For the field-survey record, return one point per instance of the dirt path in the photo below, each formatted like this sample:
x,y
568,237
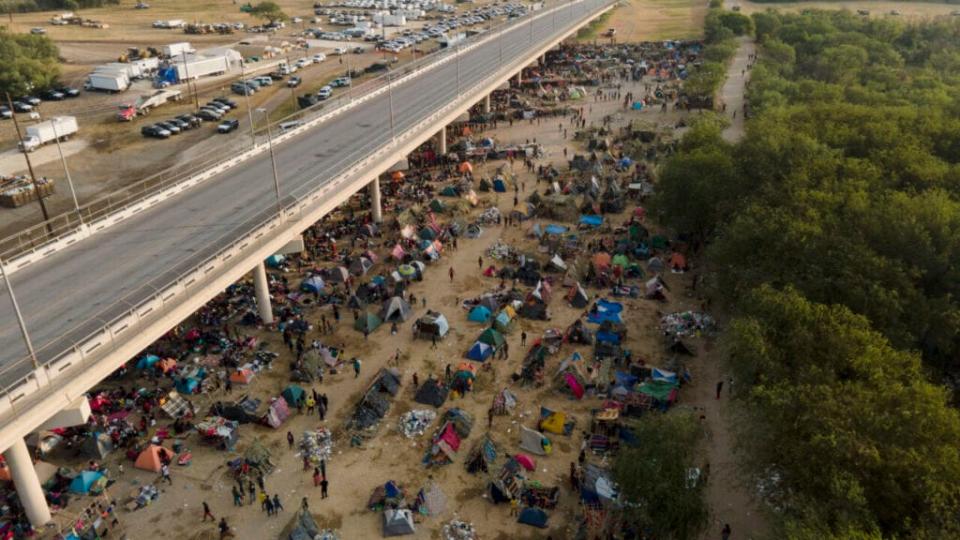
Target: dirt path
x,y
731,95
730,500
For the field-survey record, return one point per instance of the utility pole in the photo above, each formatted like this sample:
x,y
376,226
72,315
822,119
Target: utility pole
x,y
393,133
66,171
186,74
20,321
33,177
246,99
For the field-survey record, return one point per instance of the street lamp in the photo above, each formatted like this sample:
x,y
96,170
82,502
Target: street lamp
x,y
66,171
458,69
246,98
273,157
20,321
393,133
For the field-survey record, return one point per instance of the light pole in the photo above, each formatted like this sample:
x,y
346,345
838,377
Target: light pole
x,y
458,69
20,321
273,157
66,171
246,98
393,133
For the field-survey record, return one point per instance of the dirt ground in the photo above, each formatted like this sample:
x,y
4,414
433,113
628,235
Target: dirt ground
x,y
652,20
911,10
354,473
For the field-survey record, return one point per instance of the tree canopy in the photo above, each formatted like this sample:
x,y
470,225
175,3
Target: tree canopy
x,y
27,62
269,11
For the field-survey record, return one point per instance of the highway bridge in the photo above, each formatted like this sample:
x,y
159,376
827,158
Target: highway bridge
x,y
96,296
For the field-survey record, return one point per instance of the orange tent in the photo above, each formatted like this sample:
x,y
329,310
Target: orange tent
x,y
397,175
678,261
601,260
150,459
241,376
466,167
466,131
167,364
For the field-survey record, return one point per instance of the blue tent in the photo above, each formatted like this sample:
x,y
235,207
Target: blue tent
x,y
480,314
274,261
499,186
293,394
313,284
533,516
187,385
147,361
608,337
625,380
591,221
480,352
84,481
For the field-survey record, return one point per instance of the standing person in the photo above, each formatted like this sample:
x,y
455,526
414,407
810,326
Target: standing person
x,y
304,504
514,507
356,367
311,403
480,262
165,472
262,497
252,491
490,418
416,381
324,484
290,440
260,482
316,477
725,532
326,403
451,274
277,507
321,410
719,388
237,496
225,531
523,339
433,341
267,504
207,513
323,468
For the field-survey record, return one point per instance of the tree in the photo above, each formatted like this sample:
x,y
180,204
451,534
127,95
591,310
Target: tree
x,y
843,430
269,11
27,62
653,478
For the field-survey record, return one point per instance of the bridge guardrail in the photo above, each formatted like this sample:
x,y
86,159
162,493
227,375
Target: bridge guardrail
x,y
89,346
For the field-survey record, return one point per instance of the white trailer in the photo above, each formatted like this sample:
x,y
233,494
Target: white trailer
x,y
201,66
149,101
111,81
177,49
41,133
133,70
147,65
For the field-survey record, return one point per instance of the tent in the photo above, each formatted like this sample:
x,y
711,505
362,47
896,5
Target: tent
x,y
503,322
274,261
578,297
437,206
534,442
678,263
449,191
147,361
303,527
395,309
480,352
526,462
84,481
432,324
398,522
336,275
313,284
482,457
480,314
605,310
533,516
150,458
188,385
432,392
360,266
492,338
597,486
465,167
555,422
368,322
277,412
292,394
498,185
241,376
96,445
621,260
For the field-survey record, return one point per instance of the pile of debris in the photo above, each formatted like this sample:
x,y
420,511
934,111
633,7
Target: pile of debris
x,y
317,445
686,323
459,530
414,423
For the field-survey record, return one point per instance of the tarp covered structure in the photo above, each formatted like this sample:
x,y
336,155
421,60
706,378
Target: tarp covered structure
x,y
482,457
398,522
533,516
150,459
432,392
293,394
96,445
432,324
277,412
534,442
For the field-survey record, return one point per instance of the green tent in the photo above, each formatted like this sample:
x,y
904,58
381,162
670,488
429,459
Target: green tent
x,y
292,395
638,232
659,390
437,206
621,260
367,322
449,191
485,185
427,233
492,338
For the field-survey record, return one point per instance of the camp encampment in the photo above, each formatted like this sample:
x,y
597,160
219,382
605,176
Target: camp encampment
x,y
432,392
151,458
85,481
367,323
398,522
534,442
395,309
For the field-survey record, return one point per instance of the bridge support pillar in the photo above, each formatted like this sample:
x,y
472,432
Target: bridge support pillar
x,y
375,209
27,484
262,289
442,144
543,59
519,77
486,104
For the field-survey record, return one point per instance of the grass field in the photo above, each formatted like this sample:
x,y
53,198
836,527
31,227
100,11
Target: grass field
x,y
653,20
912,10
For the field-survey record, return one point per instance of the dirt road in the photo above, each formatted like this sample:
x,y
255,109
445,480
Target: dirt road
x,y
732,93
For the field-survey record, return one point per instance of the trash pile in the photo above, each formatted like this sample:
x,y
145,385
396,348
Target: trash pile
x,y
499,251
317,445
686,323
459,530
414,423
490,216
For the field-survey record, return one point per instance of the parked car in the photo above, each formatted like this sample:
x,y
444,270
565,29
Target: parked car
x,y
5,112
340,50
190,120
325,92
359,50
226,101
68,91
154,131
179,123
53,95
340,82
287,126
37,30
228,125
303,62
173,129
218,106
277,75
264,80
319,57
294,81
32,100
242,89
20,106
208,114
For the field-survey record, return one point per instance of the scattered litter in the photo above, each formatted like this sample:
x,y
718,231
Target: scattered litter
x,y
414,423
687,323
317,445
459,530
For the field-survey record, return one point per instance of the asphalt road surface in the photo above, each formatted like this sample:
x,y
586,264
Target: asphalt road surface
x,y
71,294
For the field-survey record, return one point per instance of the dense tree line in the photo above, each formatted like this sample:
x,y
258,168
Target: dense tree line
x,y
706,77
832,233
25,6
27,62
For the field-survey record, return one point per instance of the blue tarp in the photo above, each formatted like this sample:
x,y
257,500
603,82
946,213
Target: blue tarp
x,y
187,385
665,376
608,337
313,284
480,314
147,361
84,481
499,186
625,380
606,311
592,221
274,261
533,516
555,229
480,352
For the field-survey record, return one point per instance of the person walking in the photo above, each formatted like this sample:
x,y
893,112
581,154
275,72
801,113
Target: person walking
x,y
326,403
225,531
317,477
416,381
356,367
237,496
324,484
719,388
260,482
523,339
514,507
323,468
725,532
207,513
305,504
451,274
252,492
262,497
267,505
480,262
277,507
290,440
165,473
433,341
321,410
311,403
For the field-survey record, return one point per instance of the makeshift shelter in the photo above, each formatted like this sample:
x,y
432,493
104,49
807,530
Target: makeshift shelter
x,y
338,274
387,495
492,338
147,361
480,314
482,457
431,500
275,261
396,309
437,206
151,458
235,412
367,323
463,377
526,462
175,405
313,284
258,456
293,395
84,481
446,443
479,352
96,446
432,392
597,486
533,516
398,522
432,324
498,185
303,526
187,385
578,297
450,191
604,310
555,422
360,266
534,442
219,432
241,376
277,412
